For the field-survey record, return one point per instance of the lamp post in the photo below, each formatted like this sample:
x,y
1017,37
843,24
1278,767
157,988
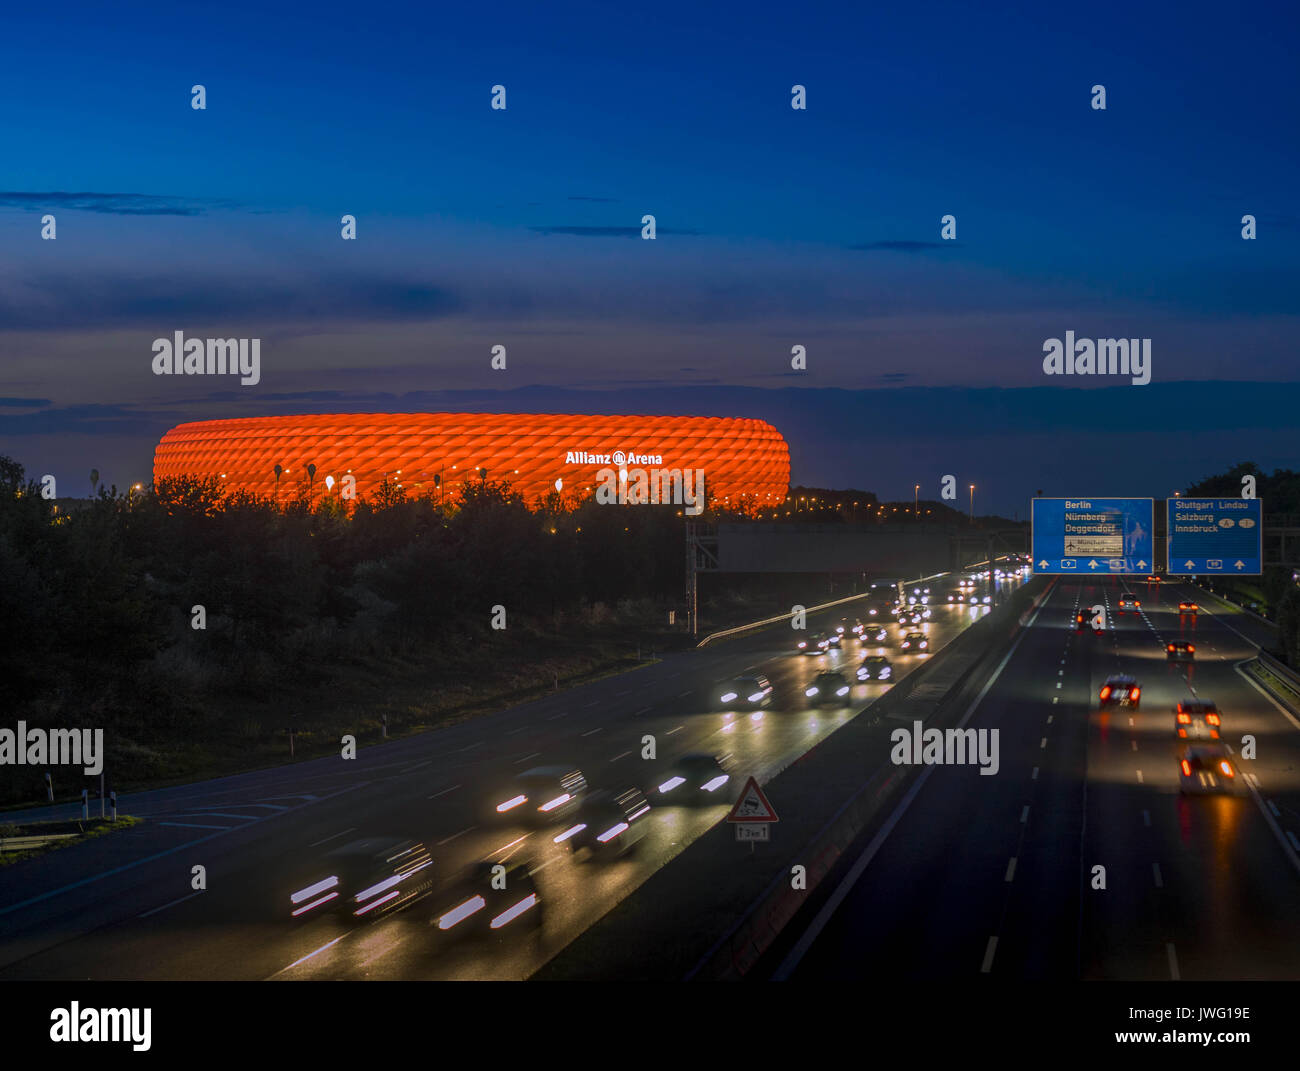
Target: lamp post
x,y
916,499
972,503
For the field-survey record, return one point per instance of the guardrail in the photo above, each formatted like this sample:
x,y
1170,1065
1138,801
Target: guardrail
x,y
1280,669
35,840
808,609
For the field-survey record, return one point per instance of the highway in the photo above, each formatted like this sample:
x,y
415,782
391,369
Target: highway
x,y
999,875
122,906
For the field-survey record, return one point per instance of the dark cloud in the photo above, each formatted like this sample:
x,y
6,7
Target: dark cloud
x,y
606,232
67,301
898,245
23,403
115,204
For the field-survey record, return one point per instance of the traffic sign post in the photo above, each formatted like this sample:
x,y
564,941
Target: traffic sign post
x,y
1215,535
752,814
1093,536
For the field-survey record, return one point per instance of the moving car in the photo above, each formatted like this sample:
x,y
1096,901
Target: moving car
x,y
749,693
813,644
833,640
1188,608
541,795
875,668
874,633
696,778
607,823
915,641
1153,579
828,687
486,900
1120,690
1206,768
1181,651
1128,602
365,878
1197,719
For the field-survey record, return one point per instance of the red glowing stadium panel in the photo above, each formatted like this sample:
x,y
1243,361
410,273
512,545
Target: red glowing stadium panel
x,y
744,460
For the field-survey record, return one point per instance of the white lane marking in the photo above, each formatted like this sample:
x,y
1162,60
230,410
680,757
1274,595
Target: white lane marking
x,y
1034,776
468,747
553,717
1140,781
442,793
172,904
1173,961
316,953
448,840
1043,744
992,947
1011,870
683,695
1055,699
1060,673
638,714
222,814
418,766
527,757
850,879
519,730
592,732
677,730
1134,743
1024,815
1049,718
543,866
332,836
1273,807
593,703
622,756
195,825
1294,843
1155,872
1259,688
1058,684
1146,818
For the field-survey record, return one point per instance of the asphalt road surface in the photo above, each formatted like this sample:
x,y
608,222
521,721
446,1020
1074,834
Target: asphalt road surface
x,y
122,906
996,875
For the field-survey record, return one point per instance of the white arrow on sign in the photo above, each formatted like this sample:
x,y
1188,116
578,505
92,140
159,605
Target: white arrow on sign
x,y
1239,564
1142,565
1189,563
1043,564
1092,564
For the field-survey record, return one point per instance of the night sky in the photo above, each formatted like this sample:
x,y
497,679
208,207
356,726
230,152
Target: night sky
x,y
776,227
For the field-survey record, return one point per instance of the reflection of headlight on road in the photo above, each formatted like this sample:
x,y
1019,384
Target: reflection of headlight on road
x,y
810,691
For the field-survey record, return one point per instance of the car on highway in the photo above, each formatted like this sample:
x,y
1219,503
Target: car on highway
x,y
910,616
812,644
1153,579
1187,607
829,687
365,879
488,898
875,668
607,824
541,795
749,693
1127,603
1181,651
1205,769
874,633
1197,719
914,641
833,640
695,778
1120,690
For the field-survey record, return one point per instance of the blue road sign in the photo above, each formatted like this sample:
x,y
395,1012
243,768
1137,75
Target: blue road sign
x,y
1093,536
1215,535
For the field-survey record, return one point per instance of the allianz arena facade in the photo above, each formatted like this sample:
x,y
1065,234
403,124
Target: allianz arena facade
x,y
746,462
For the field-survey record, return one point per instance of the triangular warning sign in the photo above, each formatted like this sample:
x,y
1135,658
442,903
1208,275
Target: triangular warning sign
x,y
752,806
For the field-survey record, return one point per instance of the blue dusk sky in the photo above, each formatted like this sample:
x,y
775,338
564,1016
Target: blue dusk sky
x,y
776,227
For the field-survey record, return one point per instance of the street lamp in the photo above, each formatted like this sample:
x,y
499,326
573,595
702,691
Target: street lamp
x,y
972,503
916,495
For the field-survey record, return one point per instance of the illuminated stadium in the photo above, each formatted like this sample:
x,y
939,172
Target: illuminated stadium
x,y
746,462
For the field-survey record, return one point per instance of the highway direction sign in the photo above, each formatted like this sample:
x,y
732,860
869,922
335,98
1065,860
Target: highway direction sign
x,y
752,806
1093,536
1215,535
